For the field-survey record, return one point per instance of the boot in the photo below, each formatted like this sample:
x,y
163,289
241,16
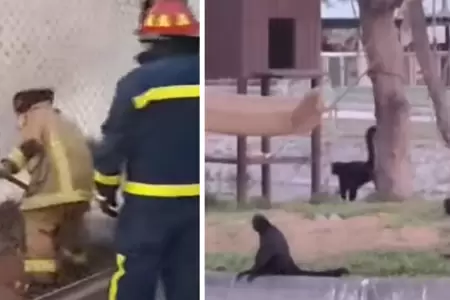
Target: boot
x,y
74,266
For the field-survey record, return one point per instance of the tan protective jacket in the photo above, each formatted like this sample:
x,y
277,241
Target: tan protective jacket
x,y
64,172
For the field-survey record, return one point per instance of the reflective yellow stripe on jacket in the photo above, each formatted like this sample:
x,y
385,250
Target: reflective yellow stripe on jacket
x,y
17,157
164,191
156,190
112,180
166,93
149,190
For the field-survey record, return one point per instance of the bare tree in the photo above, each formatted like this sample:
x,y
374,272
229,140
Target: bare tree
x,y
386,60
415,15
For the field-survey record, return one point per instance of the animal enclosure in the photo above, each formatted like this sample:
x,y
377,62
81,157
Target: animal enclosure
x,y
264,36
267,40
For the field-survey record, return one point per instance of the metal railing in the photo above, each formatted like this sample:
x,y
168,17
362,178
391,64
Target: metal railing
x,y
343,68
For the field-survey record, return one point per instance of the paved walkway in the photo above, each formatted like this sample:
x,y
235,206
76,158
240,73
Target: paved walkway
x,y
220,287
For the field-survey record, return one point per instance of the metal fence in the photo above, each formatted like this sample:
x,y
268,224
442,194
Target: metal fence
x,y
78,47
343,68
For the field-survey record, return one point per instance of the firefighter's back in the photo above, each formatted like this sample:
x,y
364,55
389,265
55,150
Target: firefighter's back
x,y
159,221
66,168
78,156
163,146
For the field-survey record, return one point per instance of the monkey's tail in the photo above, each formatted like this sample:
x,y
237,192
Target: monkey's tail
x,y
324,273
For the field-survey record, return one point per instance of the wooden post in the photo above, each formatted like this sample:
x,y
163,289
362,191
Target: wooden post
x,y
265,146
316,149
447,47
241,168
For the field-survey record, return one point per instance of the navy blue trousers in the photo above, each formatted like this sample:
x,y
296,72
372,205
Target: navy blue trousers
x,y
157,239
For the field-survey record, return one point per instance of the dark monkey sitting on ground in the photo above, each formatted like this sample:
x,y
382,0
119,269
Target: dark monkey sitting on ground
x,y
354,174
273,256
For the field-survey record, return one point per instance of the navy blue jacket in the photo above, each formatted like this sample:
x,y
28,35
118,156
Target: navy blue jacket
x,y
152,131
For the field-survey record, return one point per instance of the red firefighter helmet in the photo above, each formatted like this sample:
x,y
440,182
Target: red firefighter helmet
x,y
168,18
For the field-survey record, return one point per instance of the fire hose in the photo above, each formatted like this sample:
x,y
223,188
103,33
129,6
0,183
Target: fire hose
x,y
108,210
16,181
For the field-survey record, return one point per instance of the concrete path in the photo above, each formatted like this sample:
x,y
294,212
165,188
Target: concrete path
x,y
220,287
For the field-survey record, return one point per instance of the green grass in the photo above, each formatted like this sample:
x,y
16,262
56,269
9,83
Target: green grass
x,y
382,264
413,213
406,214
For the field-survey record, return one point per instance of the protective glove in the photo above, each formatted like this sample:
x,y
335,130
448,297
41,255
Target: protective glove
x,y
5,168
106,197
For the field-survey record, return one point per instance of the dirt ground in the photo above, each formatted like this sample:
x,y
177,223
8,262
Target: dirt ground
x,y
11,238
314,239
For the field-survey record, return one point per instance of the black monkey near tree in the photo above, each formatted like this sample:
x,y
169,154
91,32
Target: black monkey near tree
x,y
273,256
447,206
354,174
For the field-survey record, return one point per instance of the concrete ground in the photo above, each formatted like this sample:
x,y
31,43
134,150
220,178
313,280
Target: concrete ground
x,y
223,287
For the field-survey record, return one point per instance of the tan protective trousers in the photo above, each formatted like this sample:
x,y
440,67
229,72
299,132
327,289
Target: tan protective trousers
x,y
54,246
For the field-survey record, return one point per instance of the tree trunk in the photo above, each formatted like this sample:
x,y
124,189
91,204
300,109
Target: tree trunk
x,y
427,62
393,170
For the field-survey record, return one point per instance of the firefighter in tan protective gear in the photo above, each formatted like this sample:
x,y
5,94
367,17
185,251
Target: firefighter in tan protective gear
x,y
55,153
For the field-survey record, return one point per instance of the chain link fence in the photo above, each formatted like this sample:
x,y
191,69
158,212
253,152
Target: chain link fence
x,y
78,47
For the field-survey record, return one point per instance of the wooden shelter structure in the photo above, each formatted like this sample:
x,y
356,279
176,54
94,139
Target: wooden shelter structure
x,y
263,39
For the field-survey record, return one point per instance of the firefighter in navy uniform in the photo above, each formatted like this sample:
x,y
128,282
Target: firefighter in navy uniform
x,y
151,149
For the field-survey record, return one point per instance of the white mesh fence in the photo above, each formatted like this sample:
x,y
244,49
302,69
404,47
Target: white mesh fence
x,y
78,47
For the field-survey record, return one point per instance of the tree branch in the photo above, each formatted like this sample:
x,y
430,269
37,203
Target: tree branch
x,y
427,62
